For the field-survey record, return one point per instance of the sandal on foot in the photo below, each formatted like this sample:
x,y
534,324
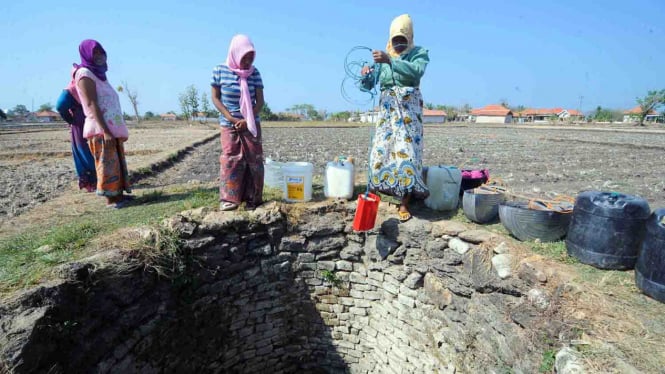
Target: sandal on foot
x,y
252,206
227,205
404,216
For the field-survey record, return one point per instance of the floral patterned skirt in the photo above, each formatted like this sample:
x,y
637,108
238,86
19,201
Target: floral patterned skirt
x,y
396,159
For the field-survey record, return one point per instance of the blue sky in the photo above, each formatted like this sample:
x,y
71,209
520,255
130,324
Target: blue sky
x,y
533,53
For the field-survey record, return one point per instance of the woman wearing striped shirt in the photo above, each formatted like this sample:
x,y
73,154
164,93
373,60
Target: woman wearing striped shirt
x,y
237,92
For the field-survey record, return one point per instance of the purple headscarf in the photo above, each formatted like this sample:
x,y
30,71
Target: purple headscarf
x,y
85,50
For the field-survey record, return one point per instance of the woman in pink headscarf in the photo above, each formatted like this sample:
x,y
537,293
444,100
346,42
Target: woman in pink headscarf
x,y
237,92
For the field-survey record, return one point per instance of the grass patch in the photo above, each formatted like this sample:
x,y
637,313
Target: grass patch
x,y
547,363
618,279
23,258
27,258
554,250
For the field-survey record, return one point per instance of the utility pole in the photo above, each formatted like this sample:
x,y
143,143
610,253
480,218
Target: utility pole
x,y
580,107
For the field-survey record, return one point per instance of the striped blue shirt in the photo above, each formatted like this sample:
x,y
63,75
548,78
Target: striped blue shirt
x,y
229,84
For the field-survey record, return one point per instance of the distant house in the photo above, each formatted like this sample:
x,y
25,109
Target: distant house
x,y
542,115
370,116
201,117
550,115
575,115
168,117
434,116
47,116
492,114
288,116
463,117
633,116
519,116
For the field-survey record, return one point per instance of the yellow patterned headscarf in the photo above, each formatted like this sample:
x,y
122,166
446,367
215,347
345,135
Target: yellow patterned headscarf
x,y
401,26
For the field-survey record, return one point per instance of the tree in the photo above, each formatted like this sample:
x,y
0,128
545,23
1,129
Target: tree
x,y
133,98
518,108
189,102
184,105
650,102
2,114
266,114
19,111
504,103
451,112
193,99
205,105
429,106
305,110
314,115
46,107
341,116
606,115
149,115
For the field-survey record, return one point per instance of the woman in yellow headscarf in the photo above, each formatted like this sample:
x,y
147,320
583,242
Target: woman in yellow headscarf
x,y
396,157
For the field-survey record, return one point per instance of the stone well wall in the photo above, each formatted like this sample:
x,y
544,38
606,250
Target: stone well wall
x,y
289,288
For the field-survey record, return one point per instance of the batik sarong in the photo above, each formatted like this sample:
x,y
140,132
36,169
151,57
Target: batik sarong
x,y
241,167
111,167
396,157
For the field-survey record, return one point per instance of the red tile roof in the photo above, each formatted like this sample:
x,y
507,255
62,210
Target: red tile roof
x,y
434,112
47,113
542,112
637,110
168,115
574,112
491,110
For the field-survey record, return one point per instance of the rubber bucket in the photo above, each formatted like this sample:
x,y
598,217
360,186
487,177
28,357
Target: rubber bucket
x,y
366,212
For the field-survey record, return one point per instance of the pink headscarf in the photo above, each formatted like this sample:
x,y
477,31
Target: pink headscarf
x,y
240,46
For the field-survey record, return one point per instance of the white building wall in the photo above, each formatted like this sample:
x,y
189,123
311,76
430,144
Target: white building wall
x,y
434,119
494,119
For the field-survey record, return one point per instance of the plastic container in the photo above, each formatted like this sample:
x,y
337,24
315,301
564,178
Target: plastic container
x,y
481,206
444,185
339,179
650,267
297,181
607,229
272,176
530,224
366,212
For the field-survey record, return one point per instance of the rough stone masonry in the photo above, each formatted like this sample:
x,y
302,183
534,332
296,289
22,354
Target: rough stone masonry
x,y
286,289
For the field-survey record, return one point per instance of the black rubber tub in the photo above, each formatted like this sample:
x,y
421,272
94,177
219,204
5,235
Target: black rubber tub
x,y
650,267
531,224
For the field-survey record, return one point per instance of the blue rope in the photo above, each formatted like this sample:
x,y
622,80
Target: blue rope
x,y
352,70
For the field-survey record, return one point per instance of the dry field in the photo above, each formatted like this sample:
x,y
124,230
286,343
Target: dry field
x,y
538,161
36,165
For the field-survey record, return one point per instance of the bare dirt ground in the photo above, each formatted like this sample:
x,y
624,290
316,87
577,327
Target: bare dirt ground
x,y
539,161
36,166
